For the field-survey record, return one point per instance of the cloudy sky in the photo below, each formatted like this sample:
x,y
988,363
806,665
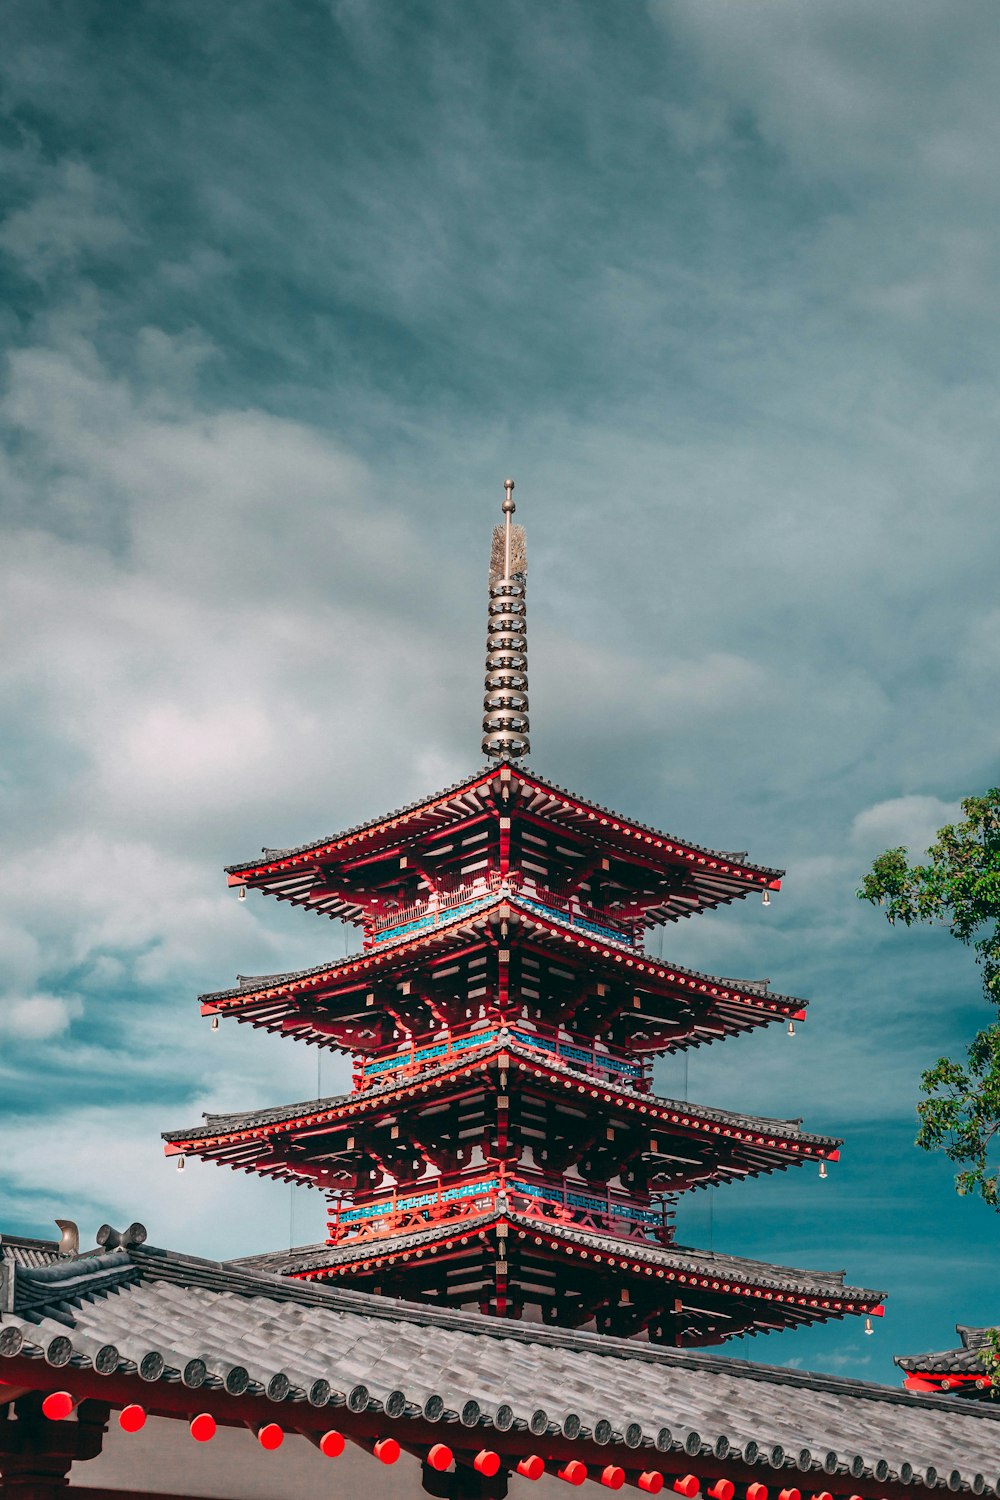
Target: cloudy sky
x,y
288,288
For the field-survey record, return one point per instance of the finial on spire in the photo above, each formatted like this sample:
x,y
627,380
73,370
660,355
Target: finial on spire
x,y
505,720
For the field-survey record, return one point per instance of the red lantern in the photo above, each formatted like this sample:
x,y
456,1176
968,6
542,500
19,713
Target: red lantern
x,y
613,1477
688,1486
651,1481
439,1457
756,1492
202,1427
789,1495
132,1418
270,1436
486,1463
531,1467
332,1443
725,1489
574,1472
386,1450
58,1406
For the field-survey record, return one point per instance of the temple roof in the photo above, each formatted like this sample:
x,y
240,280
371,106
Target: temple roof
x,y
758,1144
275,1001
821,1293
965,1358
459,788
32,1254
202,1333
313,1109
710,876
962,1370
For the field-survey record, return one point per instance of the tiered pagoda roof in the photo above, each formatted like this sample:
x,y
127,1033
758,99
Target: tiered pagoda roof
x,y
694,1145
650,1005
645,877
674,1294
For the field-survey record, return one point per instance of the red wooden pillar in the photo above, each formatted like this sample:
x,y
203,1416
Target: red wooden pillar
x,y
504,848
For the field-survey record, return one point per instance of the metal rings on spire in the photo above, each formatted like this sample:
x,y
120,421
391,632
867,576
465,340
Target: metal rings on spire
x,y
505,719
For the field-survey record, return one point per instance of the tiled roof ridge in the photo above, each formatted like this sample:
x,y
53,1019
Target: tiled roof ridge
x,y
760,987
649,827
28,1242
973,1337
246,983
965,1356
702,1262
13,1246
241,1280
72,1267
266,981
944,1362
276,1114
709,1259
26,1250
491,770
398,812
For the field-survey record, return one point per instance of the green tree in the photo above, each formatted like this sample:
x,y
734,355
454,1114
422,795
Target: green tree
x,y
958,887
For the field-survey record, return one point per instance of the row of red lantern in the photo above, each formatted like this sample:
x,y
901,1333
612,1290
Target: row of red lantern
x,y
60,1404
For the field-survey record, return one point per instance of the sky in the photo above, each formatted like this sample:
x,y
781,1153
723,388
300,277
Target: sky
x,y
286,291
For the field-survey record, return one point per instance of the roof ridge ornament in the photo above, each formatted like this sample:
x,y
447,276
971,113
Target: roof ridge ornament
x,y
69,1239
505,704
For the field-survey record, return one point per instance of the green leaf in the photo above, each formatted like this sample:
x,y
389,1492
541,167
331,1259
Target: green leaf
x,y
960,886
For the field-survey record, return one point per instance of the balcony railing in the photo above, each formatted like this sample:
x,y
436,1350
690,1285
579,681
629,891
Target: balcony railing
x,y
499,1189
434,1049
576,914
421,916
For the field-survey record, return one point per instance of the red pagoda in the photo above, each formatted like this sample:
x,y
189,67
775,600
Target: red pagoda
x,y
502,1147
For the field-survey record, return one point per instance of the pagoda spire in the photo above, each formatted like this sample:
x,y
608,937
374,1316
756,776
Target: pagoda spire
x,y
505,704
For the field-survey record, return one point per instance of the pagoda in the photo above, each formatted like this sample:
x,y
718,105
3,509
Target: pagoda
x,y
502,1147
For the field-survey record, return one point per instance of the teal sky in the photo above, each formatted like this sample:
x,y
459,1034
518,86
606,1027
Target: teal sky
x,y
287,288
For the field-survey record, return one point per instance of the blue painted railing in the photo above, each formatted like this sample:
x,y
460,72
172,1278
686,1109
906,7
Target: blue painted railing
x,y
605,1208
419,1200
586,1055
417,1057
570,918
431,917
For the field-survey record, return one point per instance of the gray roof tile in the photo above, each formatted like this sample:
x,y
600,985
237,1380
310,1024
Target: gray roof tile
x,y
216,1125
184,1308
678,1257
966,1360
249,984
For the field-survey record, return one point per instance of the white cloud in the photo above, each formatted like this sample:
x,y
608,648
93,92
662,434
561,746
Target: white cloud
x,y
911,822
37,1017
73,215
851,89
110,1166
215,612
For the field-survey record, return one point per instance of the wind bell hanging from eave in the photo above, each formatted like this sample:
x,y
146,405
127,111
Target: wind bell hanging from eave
x,y
505,720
